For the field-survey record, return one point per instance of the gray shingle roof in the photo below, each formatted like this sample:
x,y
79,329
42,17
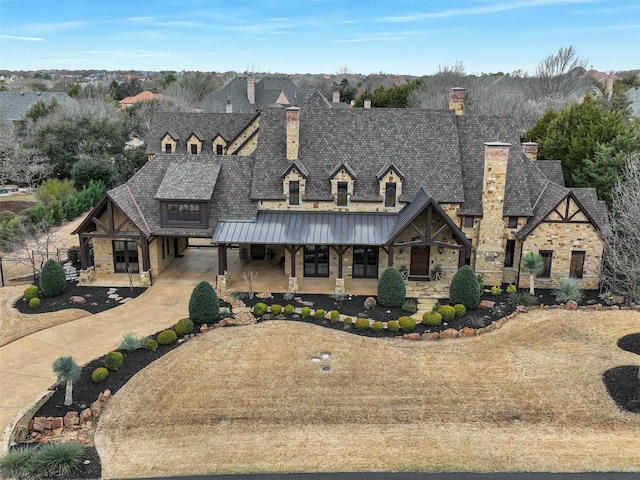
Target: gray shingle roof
x,y
190,180
14,105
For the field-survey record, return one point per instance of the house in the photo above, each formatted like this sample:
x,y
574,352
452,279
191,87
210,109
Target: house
x,y
144,96
15,105
344,193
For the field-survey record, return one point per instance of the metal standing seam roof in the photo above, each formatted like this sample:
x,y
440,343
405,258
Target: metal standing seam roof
x,y
308,228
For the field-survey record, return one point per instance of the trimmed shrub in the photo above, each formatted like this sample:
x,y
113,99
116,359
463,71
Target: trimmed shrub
x,y
319,313
53,280
34,303
348,321
260,309
288,309
113,360
150,344
393,325
130,342
30,292
99,375
305,312
276,309
431,318
334,316
184,327
409,306
377,326
496,290
460,310
167,337
362,324
511,288
407,324
204,305
369,302
448,312
569,289
391,288
465,288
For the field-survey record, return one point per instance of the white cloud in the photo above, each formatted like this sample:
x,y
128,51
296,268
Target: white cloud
x,y
22,39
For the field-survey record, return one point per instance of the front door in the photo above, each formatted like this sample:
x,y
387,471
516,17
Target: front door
x,y
316,261
419,261
125,256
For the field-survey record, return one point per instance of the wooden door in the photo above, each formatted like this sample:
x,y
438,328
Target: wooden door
x,y
258,251
419,261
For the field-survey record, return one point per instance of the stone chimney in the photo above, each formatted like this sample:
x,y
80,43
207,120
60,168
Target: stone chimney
x,y
229,107
456,99
530,149
367,103
336,96
293,132
251,90
490,252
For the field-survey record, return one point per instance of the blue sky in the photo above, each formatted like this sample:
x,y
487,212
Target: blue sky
x,y
412,37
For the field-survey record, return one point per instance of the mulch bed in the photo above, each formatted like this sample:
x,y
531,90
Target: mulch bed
x,y
622,382
97,299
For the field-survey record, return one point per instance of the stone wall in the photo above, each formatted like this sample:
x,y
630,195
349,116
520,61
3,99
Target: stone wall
x,y
103,247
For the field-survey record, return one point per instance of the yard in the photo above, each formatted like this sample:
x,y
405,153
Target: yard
x,y
528,397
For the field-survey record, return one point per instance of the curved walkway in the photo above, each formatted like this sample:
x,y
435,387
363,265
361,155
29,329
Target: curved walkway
x,y
25,364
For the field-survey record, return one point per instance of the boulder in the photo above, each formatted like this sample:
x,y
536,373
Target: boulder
x,y
467,332
430,336
521,309
486,304
78,300
203,328
71,419
39,424
96,408
571,305
411,336
85,416
56,423
449,333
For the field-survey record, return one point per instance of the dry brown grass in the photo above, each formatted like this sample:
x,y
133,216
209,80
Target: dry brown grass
x,y
528,397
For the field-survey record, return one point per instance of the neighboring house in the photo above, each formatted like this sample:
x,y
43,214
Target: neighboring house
x,y
141,97
248,95
344,193
15,105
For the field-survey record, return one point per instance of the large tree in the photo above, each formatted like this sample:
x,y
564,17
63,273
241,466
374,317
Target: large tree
x,y
621,266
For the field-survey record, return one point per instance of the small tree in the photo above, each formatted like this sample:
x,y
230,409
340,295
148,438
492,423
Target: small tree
x,y
204,305
465,288
53,280
391,288
67,371
532,264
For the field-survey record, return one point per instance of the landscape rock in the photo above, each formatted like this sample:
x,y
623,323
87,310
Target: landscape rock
x,y
264,295
56,423
107,394
486,304
78,300
467,332
430,336
449,333
571,305
85,416
521,309
411,336
71,419
38,424
204,328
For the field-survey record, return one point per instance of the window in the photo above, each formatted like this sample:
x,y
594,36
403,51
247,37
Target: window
x,y
509,252
390,195
167,148
513,222
547,256
218,149
576,268
294,193
316,261
183,212
365,262
194,149
468,222
125,256
342,194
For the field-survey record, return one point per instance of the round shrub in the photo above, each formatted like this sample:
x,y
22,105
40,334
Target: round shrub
x,y
431,318
496,290
113,360
184,327
150,344
319,313
99,375
204,305
407,324
465,288
167,337
276,309
377,326
391,288
460,310
53,280
347,321
30,292
34,303
448,313
393,325
288,309
362,324
334,316
305,312
511,288
260,309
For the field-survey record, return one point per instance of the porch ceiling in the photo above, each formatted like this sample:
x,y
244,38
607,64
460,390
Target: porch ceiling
x,y
308,228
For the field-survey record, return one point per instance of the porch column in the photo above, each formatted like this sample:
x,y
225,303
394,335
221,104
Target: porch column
x,y
389,256
84,252
146,261
222,259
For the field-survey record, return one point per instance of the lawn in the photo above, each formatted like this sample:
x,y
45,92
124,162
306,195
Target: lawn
x,y
528,397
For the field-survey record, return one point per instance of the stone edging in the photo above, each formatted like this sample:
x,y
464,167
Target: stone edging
x,y
21,420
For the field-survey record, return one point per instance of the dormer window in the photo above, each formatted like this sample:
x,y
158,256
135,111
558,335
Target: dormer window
x,y
169,142
194,143
218,149
219,144
342,179
390,194
194,149
294,180
167,148
294,193
341,200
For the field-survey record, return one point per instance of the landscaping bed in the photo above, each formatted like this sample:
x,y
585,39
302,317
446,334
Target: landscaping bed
x,y
622,382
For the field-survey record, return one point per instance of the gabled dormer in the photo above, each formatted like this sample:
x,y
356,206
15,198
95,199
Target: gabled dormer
x,y
294,180
194,143
169,142
219,145
390,179
342,179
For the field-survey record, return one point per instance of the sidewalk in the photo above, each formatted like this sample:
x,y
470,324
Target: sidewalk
x,y
25,364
